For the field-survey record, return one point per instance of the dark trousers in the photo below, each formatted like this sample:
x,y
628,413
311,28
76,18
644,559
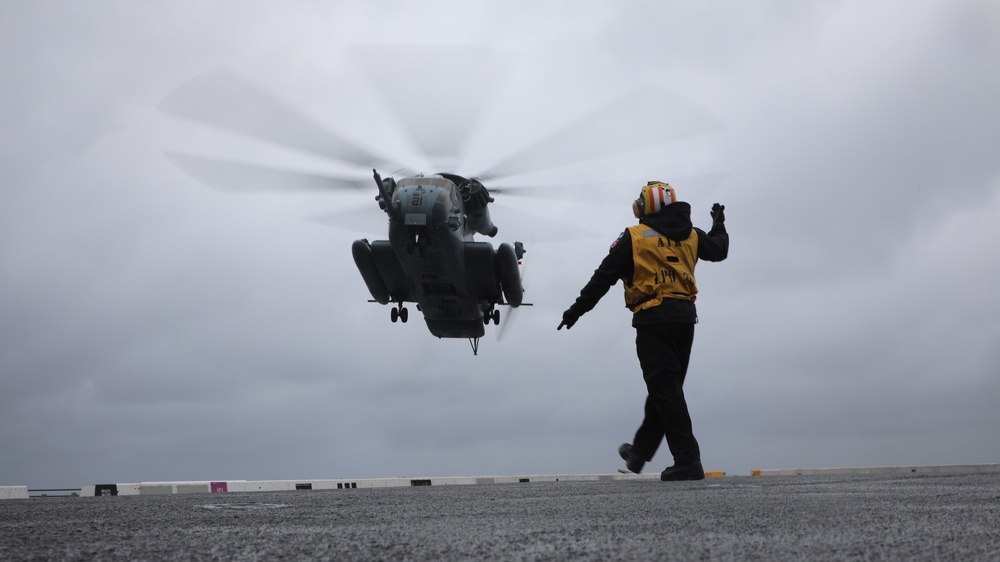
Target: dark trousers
x,y
664,350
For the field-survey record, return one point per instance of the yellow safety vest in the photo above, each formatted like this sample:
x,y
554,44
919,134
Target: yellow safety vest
x,y
664,268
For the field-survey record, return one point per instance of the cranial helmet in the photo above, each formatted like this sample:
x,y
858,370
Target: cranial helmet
x,y
654,196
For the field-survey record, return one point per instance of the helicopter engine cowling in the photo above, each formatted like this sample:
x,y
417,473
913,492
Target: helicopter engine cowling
x,y
476,200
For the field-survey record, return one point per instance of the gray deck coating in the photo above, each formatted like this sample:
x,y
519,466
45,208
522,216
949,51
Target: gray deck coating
x,y
814,517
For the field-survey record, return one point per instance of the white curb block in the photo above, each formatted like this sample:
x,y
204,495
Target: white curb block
x,y
13,492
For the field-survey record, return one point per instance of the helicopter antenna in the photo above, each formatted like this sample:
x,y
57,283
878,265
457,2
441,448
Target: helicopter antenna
x,y
474,342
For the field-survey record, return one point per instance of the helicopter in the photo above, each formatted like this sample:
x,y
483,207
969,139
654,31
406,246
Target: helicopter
x,y
432,259
430,256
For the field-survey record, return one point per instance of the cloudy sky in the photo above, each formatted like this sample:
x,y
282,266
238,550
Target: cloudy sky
x,y
153,327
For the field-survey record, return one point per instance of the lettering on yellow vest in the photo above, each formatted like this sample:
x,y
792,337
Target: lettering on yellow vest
x,y
664,268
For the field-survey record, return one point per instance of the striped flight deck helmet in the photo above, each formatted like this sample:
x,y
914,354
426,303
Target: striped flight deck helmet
x,y
654,196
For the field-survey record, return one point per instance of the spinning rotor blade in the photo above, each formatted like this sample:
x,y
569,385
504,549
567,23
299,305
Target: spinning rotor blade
x,y
427,105
367,220
506,322
603,192
221,99
511,313
608,192
526,226
233,176
645,118
438,93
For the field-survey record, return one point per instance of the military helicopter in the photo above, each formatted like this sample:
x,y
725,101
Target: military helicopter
x,y
430,256
432,259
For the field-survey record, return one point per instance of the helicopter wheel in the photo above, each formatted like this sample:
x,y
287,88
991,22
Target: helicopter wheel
x,y
496,317
403,315
394,315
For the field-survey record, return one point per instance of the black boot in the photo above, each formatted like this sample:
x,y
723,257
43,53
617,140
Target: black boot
x,y
632,464
686,471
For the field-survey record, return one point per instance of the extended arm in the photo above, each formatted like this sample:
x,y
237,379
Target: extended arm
x,y
616,265
714,246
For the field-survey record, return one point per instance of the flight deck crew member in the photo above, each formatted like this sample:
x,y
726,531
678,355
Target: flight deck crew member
x,y
655,260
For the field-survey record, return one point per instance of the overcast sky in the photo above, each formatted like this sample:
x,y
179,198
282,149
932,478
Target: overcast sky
x,y
153,327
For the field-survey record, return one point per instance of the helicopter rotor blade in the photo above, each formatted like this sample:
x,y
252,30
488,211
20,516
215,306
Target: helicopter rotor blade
x,y
221,99
437,93
608,192
594,193
511,313
506,322
368,220
524,225
647,117
239,177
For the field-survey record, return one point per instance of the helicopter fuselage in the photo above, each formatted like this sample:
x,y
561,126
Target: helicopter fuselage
x,y
431,257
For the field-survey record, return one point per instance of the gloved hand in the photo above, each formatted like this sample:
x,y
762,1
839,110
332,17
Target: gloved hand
x,y
718,213
569,318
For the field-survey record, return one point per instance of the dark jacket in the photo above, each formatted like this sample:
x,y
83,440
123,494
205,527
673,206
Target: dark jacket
x,y
674,222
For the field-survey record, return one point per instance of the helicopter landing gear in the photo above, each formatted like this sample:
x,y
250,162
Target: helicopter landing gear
x,y
399,313
493,315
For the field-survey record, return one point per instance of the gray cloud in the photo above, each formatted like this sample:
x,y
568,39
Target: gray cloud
x,y
153,328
